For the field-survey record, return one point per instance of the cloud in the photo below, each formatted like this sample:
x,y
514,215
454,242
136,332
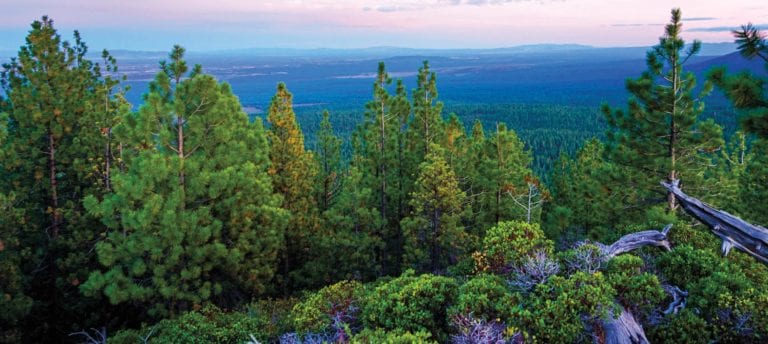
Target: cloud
x,y
635,24
401,6
699,19
724,28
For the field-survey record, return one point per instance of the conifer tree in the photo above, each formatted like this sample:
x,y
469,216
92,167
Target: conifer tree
x,y
380,149
293,172
501,176
749,96
193,218
328,155
426,125
585,197
46,162
660,135
433,231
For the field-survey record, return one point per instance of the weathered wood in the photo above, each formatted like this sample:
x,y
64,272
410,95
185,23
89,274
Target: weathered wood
x,y
678,299
624,330
734,232
633,241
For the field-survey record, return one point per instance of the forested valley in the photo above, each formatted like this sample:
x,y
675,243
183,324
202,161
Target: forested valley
x,y
185,220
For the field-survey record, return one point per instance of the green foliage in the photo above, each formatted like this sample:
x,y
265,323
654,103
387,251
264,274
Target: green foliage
x,y
586,197
370,336
208,325
433,233
508,243
660,135
554,311
293,171
318,310
273,316
486,297
636,289
193,219
686,265
753,185
411,303
683,327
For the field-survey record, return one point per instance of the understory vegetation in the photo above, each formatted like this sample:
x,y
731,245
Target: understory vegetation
x,y
186,221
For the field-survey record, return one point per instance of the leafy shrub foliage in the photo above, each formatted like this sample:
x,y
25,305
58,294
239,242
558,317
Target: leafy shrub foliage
x,y
412,303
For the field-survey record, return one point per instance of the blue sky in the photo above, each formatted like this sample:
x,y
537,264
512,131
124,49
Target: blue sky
x,y
202,25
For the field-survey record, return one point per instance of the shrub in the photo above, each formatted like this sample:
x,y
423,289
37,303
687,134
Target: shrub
x,y
508,243
339,302
685,265
209,325
559,310
636,290
411,303
371,336
486,297
683,327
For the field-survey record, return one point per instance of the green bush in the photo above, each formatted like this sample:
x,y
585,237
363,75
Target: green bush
x,y
369,336
316,312
553,313
685,265
486,297
683,327
411,303
636,289
508,243
209,325
273,316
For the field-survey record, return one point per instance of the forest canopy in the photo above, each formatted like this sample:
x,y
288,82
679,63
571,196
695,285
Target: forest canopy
x,y
186,220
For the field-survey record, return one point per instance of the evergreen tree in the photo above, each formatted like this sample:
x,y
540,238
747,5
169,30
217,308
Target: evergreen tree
x,y
745,90
749,96
426,126
502,176
585,197
328,156
380,149
660,135
293,172
193,218
434,235
52,93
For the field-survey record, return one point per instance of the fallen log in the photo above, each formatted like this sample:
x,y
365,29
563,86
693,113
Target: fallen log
x,y
734,232
633,241
625,329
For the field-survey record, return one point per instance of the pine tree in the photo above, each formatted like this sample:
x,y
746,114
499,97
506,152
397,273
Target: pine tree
x,y
502,175
585,197
328,156
193,218
47,163
293,172
426,126
660,135
433,232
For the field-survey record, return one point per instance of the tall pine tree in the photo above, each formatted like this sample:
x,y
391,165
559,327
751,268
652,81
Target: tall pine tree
x,y
660,135
434,235
293,172
193,219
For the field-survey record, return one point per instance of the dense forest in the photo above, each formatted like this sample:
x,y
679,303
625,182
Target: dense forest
x,y
188,221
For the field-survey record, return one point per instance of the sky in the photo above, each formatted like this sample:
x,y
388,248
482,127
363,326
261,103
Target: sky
x,y
209,25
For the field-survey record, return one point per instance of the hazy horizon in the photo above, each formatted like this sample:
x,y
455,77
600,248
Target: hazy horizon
x,y
203,26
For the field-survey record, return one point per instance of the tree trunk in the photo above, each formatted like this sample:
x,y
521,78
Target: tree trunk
x,y
735,232
55,213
